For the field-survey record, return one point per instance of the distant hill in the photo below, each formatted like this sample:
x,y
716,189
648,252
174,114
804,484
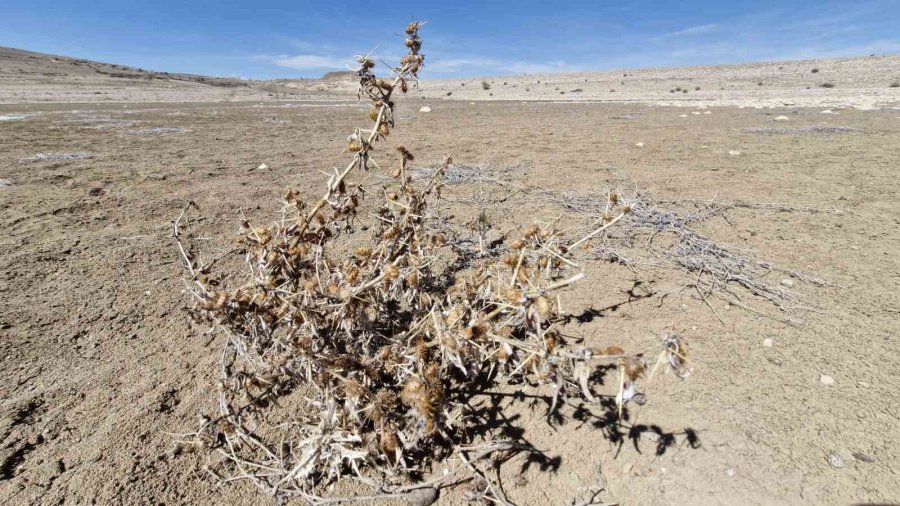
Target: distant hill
x,y
30,77
30,64
340,75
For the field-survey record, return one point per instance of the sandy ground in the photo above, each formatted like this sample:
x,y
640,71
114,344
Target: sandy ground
x,y
863,83
100,364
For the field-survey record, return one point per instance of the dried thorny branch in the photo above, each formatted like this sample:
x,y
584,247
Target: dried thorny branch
x,y
656,235
360,364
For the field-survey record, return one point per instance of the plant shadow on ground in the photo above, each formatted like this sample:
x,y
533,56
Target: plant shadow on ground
x,y
491,418
589,314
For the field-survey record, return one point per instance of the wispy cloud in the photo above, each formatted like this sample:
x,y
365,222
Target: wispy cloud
x,y
690,31
882,46
307,61
705,50
495,66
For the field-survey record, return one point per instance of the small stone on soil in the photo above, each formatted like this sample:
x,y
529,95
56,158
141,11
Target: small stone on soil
x,y
422,496
835,460
826,380
863,457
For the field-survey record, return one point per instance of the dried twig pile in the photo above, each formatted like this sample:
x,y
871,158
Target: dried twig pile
x,y
359,364
660,236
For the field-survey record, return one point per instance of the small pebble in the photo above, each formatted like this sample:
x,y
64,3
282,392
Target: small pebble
x,y
734,152
835,460
863,457
682,115
262,166
781,118
425,109
730,472
639,144
826,380
787,282
769,342
422,496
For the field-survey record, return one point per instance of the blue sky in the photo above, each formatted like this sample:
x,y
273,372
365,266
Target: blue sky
x,y
275,38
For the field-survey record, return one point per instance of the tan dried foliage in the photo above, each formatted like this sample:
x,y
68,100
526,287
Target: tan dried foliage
x,y
382,345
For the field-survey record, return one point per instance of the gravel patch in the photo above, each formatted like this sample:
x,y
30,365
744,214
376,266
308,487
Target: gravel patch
x,y
160,131
56,157
803,130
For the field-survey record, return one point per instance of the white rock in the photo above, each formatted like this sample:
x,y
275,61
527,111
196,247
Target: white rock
x,y
827,111
4,183
707,112
768,342
12,117
696,113
730,472
425,108
639,144
781,118
787,282
734,152
826,380
835,460
262,166
682,115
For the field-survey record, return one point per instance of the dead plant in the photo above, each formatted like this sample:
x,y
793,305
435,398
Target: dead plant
x,y
358,365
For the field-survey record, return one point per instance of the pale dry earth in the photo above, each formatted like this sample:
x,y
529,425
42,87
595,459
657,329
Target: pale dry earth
x,y
864,82
100,364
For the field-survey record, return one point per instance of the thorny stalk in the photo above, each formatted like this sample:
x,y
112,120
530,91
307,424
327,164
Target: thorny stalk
x,y
361,365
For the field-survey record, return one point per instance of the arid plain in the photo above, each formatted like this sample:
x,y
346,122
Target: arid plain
x,y
101,365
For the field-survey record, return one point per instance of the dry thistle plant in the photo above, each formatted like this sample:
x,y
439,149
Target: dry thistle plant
x,y
359,365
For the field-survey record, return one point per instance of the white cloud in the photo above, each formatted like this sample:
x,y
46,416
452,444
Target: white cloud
x,y
716,49
696,30
494,66
310,61
693,30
